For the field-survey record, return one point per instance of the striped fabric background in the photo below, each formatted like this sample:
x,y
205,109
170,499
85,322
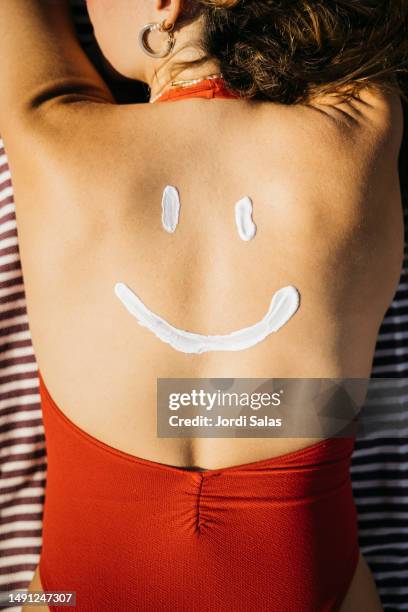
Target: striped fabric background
x,y
379,468
380,465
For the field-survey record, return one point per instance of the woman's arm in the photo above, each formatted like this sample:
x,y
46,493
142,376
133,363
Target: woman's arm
x,y
41,60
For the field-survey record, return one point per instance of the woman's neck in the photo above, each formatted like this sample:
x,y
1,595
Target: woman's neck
x,y
162,79
186,61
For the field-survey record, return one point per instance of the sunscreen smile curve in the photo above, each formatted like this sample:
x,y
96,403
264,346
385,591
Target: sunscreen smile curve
x,y
285,302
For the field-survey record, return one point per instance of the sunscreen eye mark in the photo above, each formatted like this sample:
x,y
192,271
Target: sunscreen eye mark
x,y
283,306
170,209
243,218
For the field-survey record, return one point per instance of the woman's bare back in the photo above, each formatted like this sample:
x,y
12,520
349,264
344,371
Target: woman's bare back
x,y
327,208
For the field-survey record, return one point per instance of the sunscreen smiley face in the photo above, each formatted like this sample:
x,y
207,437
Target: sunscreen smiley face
x,y
284,304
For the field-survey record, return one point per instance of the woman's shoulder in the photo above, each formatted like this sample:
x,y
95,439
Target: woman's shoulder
x,y
339,158
366,122
334,140
371,118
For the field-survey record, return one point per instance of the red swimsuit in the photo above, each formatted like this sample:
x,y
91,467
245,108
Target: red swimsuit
x,y
130,534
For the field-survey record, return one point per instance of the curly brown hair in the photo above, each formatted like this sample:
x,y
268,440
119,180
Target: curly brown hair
x,y
291,50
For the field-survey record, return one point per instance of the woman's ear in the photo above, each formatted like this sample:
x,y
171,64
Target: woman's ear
x,y
173,9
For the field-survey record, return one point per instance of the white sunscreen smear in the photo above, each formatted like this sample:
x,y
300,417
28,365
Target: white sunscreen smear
x,y
170,209
284,304
243,218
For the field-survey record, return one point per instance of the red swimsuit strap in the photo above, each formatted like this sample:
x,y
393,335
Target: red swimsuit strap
x,y
208,88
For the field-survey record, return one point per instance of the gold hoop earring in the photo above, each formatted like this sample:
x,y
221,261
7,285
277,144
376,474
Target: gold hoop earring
x,y
161,27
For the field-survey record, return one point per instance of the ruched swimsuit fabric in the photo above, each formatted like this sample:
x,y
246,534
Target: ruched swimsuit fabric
x,y
131,534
